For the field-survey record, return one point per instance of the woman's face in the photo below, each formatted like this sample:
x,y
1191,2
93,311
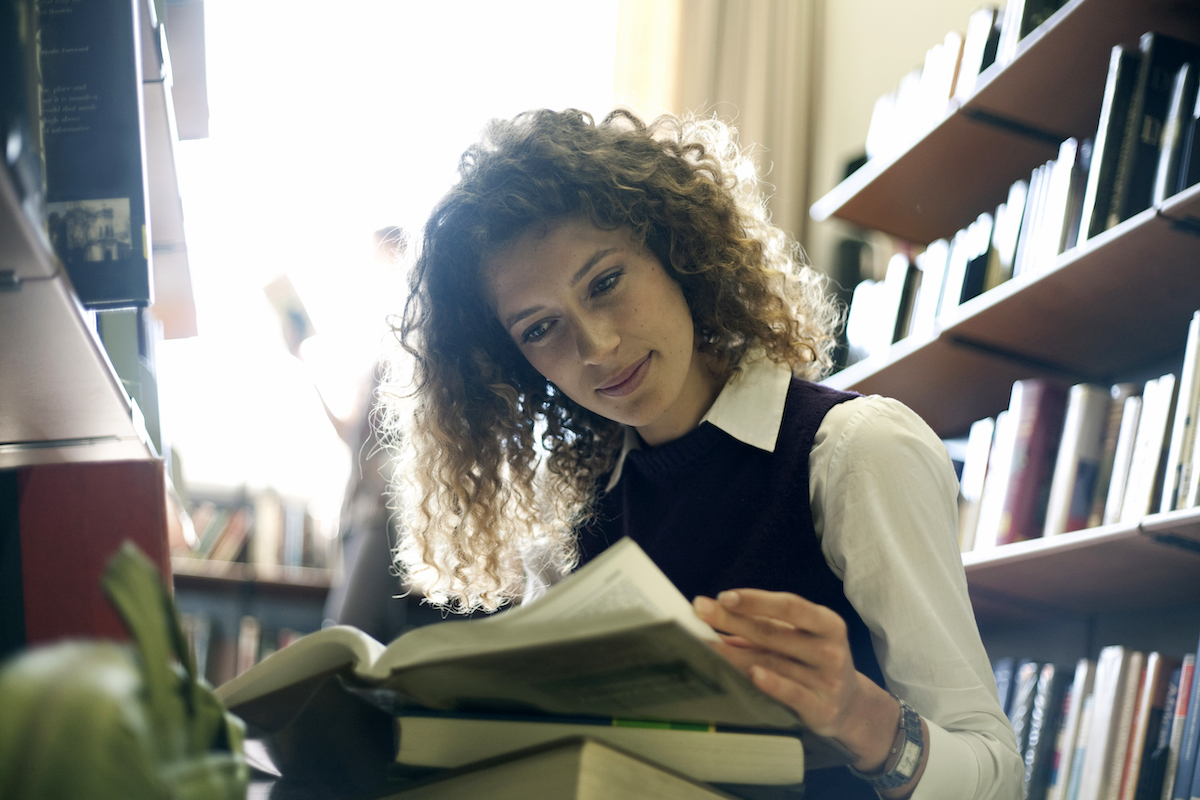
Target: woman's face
x,y
597,315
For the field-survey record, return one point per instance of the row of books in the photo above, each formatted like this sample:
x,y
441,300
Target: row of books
x,y
950,73
265,530
1061,459
1123,726
221,655
1144,151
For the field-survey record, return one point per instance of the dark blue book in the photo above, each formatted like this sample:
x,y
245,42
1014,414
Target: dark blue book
x,y
93,138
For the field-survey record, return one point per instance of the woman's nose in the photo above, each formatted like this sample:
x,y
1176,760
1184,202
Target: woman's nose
x,y
595,339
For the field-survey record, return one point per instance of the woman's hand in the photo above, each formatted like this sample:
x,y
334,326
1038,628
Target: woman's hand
x,y
798,652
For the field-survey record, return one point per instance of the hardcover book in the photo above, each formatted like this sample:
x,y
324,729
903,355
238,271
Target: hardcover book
x,y
93,135
1037,408
1106,152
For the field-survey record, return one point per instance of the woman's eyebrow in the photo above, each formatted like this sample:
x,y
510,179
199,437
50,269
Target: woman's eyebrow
x,y
591,262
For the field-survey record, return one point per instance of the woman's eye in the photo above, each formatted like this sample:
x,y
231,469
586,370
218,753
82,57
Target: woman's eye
x,y
607,283
535,332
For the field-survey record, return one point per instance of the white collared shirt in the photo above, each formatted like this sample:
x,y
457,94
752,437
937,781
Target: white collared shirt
x,y
884,504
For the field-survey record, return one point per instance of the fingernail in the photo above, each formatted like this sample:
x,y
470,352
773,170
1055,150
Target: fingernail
x,y
703,605
729,599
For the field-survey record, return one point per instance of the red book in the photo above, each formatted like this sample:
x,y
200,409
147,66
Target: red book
x,y
1037,408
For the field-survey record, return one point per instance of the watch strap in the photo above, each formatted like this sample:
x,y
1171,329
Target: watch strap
x,y
909,753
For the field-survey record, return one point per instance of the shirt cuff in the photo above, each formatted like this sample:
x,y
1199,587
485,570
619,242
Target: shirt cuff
x,y
952,769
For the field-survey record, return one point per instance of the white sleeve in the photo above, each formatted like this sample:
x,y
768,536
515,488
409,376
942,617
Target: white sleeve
x,y
884,504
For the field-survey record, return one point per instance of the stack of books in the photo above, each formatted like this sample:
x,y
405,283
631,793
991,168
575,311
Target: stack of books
x,y
608,662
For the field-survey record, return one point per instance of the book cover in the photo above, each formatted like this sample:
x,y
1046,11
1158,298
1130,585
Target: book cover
x,y
93,132
1106,152
1183,429
1082,683
1077,467
1118,393
1133,184
932,263
1037,407
1031,218
1004,236
979,50
1189,154
706,753
1174,135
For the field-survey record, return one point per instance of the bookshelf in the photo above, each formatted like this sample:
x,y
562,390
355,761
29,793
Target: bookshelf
x,y
1116,308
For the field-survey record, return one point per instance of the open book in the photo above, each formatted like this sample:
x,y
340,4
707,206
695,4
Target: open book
x,y
615,639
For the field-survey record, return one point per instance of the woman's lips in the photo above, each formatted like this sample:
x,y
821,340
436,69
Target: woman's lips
x,y
627,381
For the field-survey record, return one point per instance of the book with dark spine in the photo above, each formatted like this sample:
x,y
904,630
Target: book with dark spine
x,y
1118,90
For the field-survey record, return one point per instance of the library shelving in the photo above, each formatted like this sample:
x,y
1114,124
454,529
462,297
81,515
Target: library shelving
x,y
79,473
1115,308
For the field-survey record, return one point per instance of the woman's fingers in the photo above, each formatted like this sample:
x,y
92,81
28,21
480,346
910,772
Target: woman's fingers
x,y
777,621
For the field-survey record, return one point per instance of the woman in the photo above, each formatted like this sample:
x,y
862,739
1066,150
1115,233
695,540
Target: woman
x,y
611,339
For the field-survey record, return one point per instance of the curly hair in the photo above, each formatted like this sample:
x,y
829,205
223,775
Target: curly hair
x,y
498,461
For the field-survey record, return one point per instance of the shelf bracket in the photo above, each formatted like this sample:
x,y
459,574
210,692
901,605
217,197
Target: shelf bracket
x,y
10,281
1188,225
1012,126
1172,540
1020,358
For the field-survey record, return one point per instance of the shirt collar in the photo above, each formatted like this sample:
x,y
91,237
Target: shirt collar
x,y
749,408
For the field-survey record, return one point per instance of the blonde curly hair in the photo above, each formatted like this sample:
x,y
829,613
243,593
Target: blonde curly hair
x,y
495,460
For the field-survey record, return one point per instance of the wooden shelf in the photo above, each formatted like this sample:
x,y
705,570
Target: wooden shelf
x,y
1121,300
232,576
1153,564
61,399
1012,123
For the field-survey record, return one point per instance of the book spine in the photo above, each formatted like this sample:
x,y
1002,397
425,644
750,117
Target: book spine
x,y
1183,431
1040,407
1122,68
1174,135
1078,466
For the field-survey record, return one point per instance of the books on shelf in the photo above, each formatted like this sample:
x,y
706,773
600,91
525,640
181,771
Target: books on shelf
x,y
1119,393
702,752
979,50
1072,728
1037,408
614,639
574,769
1137,164
1118,93
1044,723
1174,154
1147,463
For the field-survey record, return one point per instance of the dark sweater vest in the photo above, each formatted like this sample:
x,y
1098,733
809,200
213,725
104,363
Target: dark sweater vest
x,y
714,514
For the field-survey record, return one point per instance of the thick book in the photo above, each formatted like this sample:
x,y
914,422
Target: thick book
x,y
995,483
1183,430
93,133
1175,134
1037,408
703,752
932,263
1150,782
1005,231
1077,468
1133,184
1073,718
614,639
979,51
573,769
1129,705
1106,152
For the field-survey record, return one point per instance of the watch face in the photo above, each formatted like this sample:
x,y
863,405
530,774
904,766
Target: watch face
x,y
910,757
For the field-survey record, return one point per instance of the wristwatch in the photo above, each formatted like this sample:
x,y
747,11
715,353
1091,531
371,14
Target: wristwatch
x,y
910,753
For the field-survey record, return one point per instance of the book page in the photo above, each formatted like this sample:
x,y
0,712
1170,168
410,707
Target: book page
x,y
622,577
